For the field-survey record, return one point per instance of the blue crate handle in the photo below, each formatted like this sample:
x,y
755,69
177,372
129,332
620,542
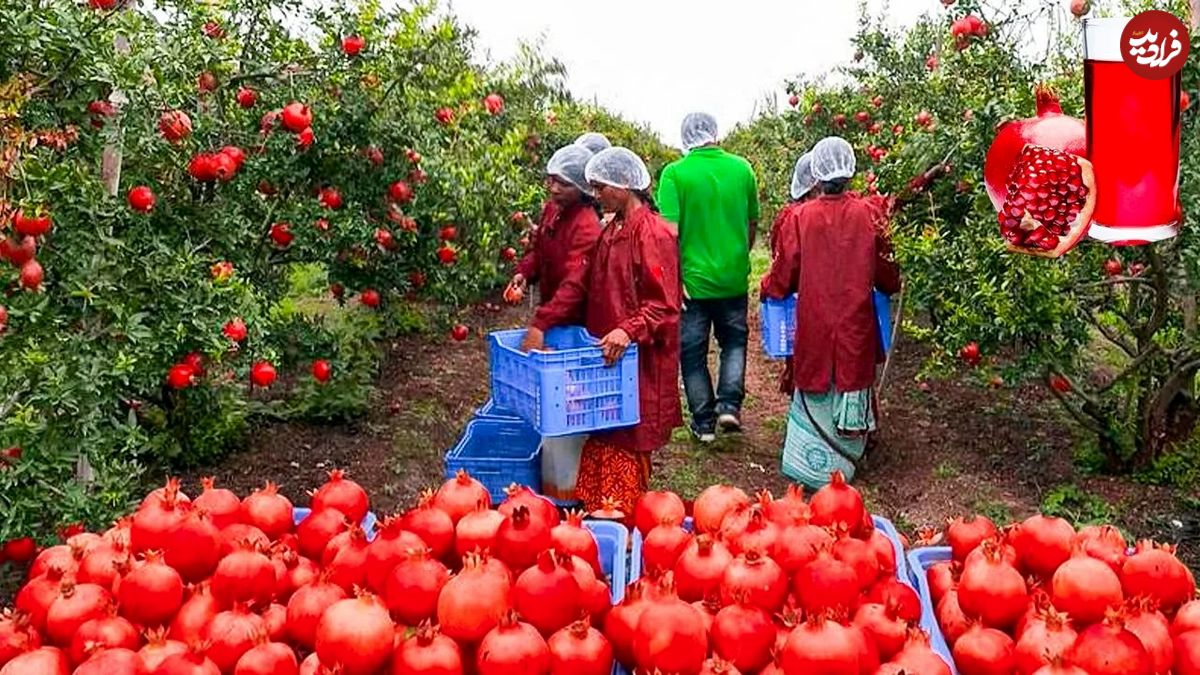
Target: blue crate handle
x,y
920,560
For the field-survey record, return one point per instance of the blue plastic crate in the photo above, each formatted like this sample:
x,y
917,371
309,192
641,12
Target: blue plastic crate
x,y
920,560
883,316
613,542
568,390
498,452
367,524
490,409
882,524
778,318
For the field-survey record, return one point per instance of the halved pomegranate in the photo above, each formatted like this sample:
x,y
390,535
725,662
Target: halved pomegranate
x,y
1050,200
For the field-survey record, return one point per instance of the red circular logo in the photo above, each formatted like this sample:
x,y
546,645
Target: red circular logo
x,y
1155,44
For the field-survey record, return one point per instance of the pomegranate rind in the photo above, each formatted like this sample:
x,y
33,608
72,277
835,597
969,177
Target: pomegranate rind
x,y
1078,227
1049,128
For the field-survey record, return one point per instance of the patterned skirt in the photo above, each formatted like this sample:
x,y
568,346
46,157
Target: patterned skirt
x,y
609,471
826,432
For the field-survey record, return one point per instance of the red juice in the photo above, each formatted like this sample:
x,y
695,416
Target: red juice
x,y
1133,127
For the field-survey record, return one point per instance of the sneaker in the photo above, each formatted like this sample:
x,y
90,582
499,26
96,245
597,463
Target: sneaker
x,y
729,423
704,436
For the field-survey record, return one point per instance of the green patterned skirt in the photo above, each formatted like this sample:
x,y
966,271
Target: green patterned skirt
x,y
826,433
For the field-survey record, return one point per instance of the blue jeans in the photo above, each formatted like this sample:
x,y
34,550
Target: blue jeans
x,y
727,319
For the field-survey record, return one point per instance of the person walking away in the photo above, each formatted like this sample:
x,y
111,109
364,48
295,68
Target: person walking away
x,y
629,293
593,141
567,233
713,197
802,189
834,255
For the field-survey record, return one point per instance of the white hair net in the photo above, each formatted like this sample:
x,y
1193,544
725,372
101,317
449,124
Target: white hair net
x,y
699,129
802,177
619,167
832,158
594,141
568,163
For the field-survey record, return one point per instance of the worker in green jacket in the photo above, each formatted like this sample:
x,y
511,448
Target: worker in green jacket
x,y
712,196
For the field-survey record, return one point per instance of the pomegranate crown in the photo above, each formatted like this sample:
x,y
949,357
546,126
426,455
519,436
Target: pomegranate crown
x,y
580,629
1047,100
426,633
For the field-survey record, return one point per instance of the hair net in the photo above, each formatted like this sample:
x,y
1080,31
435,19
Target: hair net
x,y
699,129
832,158
802,177
594,141
569,164
619,167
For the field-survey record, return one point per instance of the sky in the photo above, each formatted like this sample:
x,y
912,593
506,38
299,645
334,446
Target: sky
x,y
679,56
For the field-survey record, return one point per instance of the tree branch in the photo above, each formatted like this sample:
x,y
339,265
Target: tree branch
x,y
1129,349
1158,315
1087,421
1151,351
1112,281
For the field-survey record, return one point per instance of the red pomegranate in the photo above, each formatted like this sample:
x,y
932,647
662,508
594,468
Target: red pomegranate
x,y
1050,128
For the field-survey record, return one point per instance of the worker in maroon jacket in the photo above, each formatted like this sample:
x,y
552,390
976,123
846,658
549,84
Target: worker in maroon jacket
x,y
835,255
568,229
803,189
630,292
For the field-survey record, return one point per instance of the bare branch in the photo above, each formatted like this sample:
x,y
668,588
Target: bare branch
x,y
1112,337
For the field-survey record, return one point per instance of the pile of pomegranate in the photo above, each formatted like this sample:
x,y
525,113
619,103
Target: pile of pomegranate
x,y
1040,597
768,586
222,585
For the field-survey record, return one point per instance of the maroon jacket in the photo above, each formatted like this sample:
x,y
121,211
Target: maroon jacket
x,y
785,216
562,241
834,255
632,282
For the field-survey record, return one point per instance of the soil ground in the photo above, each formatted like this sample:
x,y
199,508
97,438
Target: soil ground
x,y
945,447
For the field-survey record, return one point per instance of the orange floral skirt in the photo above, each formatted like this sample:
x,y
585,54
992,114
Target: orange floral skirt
x,y
609,471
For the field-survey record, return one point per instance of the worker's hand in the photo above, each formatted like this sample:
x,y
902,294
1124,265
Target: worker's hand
x,y
613,346
515,292
535,339
519,281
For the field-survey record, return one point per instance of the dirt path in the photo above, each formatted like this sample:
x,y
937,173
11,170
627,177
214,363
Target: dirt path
x,y
945,447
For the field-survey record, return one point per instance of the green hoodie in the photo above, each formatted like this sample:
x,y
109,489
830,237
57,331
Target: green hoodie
x,y
713,197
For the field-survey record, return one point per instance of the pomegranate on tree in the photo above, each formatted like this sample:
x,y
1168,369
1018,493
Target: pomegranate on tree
x,y
296,117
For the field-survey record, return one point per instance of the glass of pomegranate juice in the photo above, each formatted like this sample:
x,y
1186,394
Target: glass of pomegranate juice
x,y
1133,142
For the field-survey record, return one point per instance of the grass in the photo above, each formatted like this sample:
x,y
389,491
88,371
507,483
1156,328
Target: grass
x,y
1078,506
776,424
945,471
690,476
1178,467
996,510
